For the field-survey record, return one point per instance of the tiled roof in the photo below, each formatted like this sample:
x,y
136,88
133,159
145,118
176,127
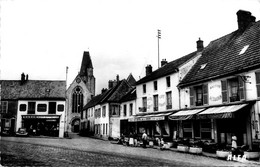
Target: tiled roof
x,y
32,89
167,69
131,80
94,101
225,56
122,89
131,95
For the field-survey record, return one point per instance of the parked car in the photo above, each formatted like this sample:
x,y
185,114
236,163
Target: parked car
x,y
22,132
6,132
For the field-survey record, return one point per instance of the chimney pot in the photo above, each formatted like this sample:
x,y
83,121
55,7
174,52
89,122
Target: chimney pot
x,y
22,78
163,62
149,69
117,78
200,46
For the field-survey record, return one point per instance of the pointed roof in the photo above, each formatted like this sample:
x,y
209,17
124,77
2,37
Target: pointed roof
x,y
231,54
131,80
85,64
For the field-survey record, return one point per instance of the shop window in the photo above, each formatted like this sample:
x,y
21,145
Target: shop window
x,y
205,129
155,102
144,88
22,107
257,75
31,107
52,107
131,109
104,111
4,107
41,107
187,129
233,90
77,100
168,82
199,95
168,100
155,85
60,107
124,110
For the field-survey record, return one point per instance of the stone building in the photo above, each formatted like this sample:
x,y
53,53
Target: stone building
x,y
79,93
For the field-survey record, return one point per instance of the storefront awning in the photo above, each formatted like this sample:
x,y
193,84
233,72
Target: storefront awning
x,y
220,112
185,114
149,117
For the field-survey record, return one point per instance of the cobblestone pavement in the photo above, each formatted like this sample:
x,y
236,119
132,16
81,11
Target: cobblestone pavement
x,y
17,151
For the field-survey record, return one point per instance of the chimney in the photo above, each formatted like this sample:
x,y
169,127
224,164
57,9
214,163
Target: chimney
x,y
163,62
110,84
149,69
22,78
27,76
117,78
103,90
244,18
200,45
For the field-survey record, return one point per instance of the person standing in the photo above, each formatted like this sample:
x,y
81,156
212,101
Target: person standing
x,y
234,145
144,138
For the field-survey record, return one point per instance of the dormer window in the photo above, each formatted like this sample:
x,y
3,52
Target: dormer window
x,y
203,66
244,49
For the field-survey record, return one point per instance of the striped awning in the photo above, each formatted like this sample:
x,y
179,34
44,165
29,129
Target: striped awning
x,y
220,112
149,117
185,114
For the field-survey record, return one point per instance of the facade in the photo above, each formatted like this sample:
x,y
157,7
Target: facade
x,y
79,93
37,105
220,95
158,95
102,113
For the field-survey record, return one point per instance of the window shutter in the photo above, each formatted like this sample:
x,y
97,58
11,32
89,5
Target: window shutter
x,y
191,96
257,76
241,85
224,91
205,94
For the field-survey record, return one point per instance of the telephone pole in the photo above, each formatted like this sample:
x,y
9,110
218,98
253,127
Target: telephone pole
x,y
159,37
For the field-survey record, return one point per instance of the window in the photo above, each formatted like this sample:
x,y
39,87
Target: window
x,y
168,81
155,85
77,100
131,109
144,88
4,107
155,102
168,100
99,112
52,107
104,111
257,75
144,104
199,95
187,129
106,128
114,109
42,107
124,110
103,129
233,90
22,107
31,107
60,107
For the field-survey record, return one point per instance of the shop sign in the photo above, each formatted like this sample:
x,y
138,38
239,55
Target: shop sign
x,y
146,119
215,92
40,116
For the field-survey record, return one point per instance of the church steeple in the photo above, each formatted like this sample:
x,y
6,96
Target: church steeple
x,y
86,65
86,72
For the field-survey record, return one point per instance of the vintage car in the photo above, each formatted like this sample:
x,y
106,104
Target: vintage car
x,y
22,132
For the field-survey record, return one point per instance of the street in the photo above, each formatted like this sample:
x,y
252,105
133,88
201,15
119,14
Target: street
x,y
17,151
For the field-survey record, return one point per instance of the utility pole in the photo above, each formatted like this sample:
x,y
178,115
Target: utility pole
x,y
159,37
66,106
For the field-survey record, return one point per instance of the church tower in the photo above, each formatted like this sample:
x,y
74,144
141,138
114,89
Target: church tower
x,y
86,72
79,93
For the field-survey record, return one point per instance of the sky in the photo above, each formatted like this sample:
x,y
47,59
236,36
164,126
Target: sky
x,y
43,37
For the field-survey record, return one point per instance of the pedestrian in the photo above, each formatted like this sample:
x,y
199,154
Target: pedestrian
x,y
162,145
234,145
131,139
135,139
144,138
